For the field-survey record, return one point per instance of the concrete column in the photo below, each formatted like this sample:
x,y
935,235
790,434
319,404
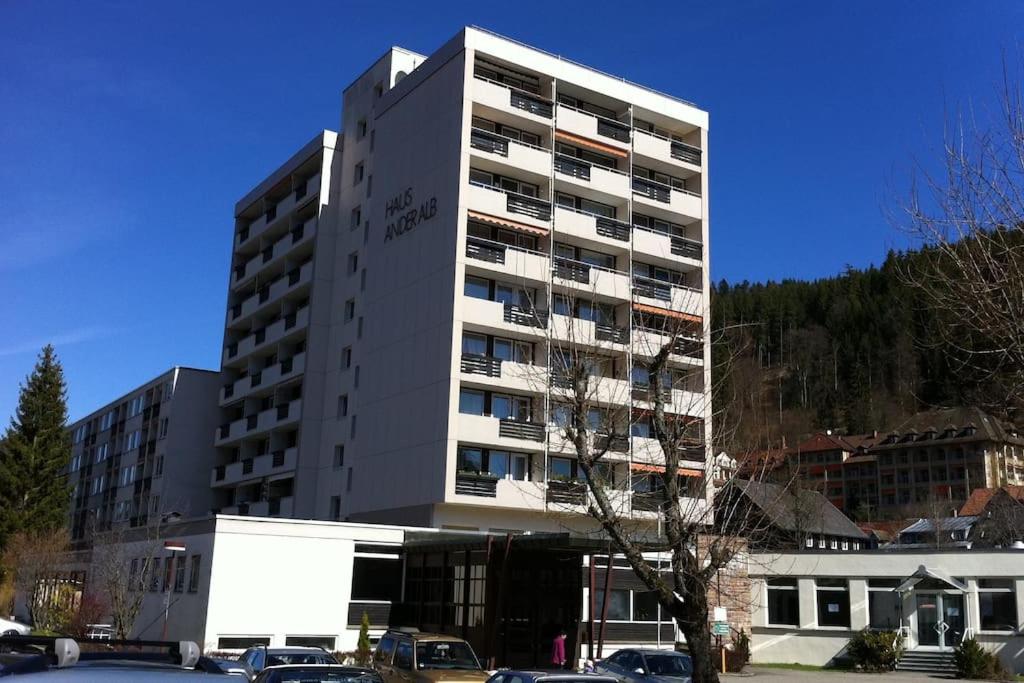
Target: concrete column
x,y
858,604
808,603
1018,588
973,611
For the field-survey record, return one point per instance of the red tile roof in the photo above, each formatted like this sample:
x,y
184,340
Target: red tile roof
x,y
980,498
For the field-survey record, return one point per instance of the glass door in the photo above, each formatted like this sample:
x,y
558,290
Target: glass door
x,y
927,619
953,616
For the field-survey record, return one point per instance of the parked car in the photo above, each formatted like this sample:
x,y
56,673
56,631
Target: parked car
x,y
318,673
110,661
261,657
403,656
514,676
647,666
10,627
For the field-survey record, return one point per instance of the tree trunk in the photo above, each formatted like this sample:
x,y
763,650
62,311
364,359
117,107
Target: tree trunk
x,y
692,618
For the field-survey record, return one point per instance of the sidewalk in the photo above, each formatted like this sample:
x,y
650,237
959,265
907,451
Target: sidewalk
x,y
779,675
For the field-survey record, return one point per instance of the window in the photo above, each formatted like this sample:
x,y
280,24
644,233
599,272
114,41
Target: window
x,y
343,405
783,602
324,642
507,407
353,262
470,460
376,578
133,574
378,90
476,287
366,232
361,129
339,456
997,604
158,469
362,280
241,642
348,481
883,604
618,604
474,344
335,508
154,575
513,351
358,173
352,428
163,428
346,358
193,577
403,656
356,218
359,328
645,606
168,573
350,310
471,402
833,596
369,185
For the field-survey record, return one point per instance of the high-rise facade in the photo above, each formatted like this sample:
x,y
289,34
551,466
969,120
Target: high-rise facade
x,y
483,210
144,455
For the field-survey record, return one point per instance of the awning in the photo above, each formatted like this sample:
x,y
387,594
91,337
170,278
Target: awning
x,y
506,223
923,573
659,469
654,310
590,144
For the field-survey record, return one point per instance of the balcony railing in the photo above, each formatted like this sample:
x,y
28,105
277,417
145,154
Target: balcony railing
x,y
515,429
567,269
277,459
611,333
247,466
609,227
642,392
531,103
572,166
219,472
619,444
475,364
654,289
488,141
485,250
648,501
685,152
566,492
517,315
473,484
687,248
528,206
652,189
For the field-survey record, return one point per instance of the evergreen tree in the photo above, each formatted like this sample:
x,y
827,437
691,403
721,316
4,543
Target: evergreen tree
x,y
363,652
34,452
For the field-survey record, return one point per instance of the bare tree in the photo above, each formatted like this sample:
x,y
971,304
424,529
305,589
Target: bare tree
x,y
970,221
655,499
123,564
33,559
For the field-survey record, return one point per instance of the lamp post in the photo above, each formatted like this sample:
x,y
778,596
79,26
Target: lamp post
x,y
173,547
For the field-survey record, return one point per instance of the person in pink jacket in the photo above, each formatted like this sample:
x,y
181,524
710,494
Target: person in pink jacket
x,y
558,650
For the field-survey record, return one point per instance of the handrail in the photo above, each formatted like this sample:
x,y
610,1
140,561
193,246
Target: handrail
x,y
665,283
514,89
498,188
659,136
503,245
596,116
589,213
668,187
566,259
637,226
590,164
505,137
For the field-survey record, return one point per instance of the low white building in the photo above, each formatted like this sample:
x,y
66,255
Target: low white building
x,y
807,605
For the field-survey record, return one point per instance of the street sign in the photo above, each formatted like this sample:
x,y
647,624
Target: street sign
x,y
721,614
720,628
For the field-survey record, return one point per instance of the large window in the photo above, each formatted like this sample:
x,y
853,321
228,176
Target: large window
x,y
626,605
833,596
883,604
376,578
783,602
997,604
501,464
471,402
618,604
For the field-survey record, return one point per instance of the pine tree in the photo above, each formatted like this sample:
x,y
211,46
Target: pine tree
x,y
34,452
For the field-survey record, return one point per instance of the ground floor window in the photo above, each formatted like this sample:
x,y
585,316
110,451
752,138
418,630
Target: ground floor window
x,y
627,605
783,602
833,596
241,642
997,604
883,604
326,642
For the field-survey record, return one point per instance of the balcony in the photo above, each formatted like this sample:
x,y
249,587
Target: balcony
x,y
511,434
683,202
281,329
667,151
259,423
518,377
603,282
648,342
666,246
511,206
271,293
506,259
593,127
597,231
521,155
254,468
588,333
503,319
296,198
668,295
275,507
300,234
511,100
580,173
566,492
473,484
264,380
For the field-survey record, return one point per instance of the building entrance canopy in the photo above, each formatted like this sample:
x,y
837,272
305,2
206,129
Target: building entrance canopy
x,y
932,579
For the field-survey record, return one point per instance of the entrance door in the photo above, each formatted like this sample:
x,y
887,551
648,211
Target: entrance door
x,y
940,620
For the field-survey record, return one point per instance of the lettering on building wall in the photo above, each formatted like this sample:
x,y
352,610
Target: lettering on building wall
x,y
403,215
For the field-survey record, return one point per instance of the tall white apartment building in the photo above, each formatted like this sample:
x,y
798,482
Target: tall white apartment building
x,y
481,207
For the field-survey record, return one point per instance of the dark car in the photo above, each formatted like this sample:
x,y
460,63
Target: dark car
x,y
259,658
647,666
318,673
517,676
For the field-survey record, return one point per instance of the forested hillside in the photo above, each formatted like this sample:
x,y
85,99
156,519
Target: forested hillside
x,y
854,353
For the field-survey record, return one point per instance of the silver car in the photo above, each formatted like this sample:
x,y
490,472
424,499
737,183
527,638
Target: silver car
x,y
647,666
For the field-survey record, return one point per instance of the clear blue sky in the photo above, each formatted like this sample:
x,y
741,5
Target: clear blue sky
x,y
128,130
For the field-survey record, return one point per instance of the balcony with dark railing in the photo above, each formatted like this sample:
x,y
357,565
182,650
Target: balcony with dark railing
x,y
476,364
263,381
529,317
566,492
497,201
503,258
476,484
678,200
666,150
593,126
593,227
519,429
259,423
507,98
596,177
521,155
255,467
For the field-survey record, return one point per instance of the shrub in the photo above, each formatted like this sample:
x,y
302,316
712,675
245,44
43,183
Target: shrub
x,y
363,650
875,650
974,661
741,647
